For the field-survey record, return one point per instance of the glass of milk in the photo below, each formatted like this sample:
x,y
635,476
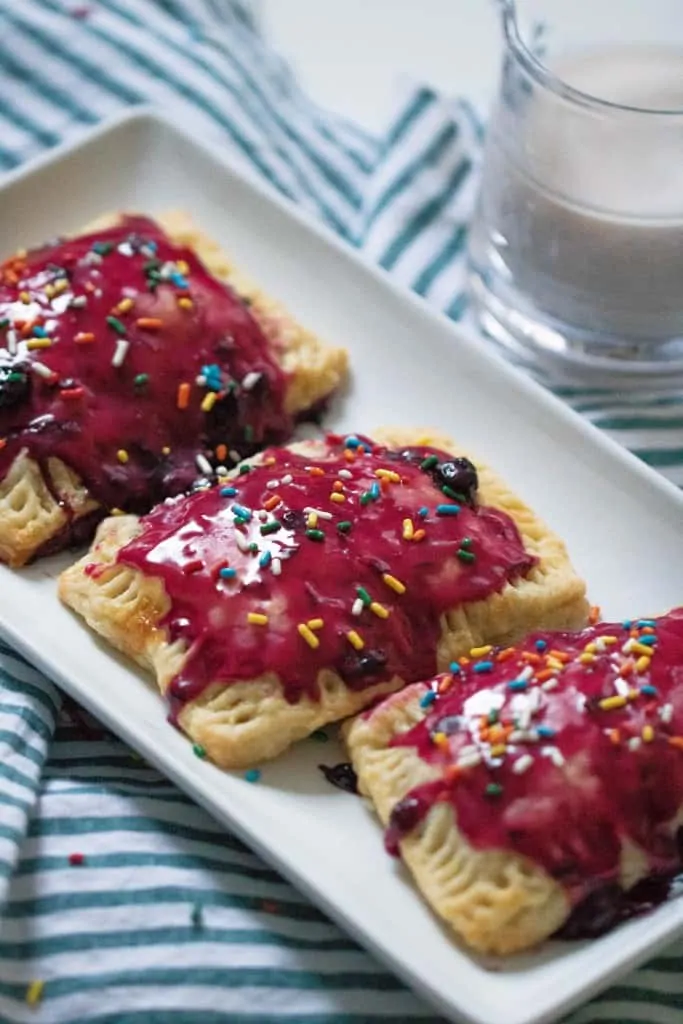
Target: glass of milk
x,y
576,250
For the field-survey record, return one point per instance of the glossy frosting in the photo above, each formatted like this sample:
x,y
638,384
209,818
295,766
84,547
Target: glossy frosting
x,y
124,357
350,557
563,749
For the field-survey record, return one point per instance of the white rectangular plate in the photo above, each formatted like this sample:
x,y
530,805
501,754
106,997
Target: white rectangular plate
x,y
412,367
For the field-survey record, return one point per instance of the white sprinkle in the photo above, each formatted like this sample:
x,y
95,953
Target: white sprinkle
x,y
167,269
203,464
200,381
357,607
41,369
666,712
622,687
272,484
251,379
12,342
310,511
554,754
79,302
471,761
345,474
120,352
600,644
147,251
550,684
468,750
634,742
263,515
235,455
526,673
522,764
241,541
516,736
93,258
287,479
276,566
126,249
221,471
626,648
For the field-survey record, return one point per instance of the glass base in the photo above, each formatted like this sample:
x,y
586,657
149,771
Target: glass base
x,y
572,355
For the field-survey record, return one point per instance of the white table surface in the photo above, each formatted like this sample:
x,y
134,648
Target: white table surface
x,y
351,54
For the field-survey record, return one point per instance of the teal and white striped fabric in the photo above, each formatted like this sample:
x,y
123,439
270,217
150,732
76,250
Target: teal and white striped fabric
x,y
119,900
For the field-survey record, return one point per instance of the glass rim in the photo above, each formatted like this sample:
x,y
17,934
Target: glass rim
x,y
548,78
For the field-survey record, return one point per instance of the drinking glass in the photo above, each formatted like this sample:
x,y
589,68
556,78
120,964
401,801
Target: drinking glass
x,y
576,248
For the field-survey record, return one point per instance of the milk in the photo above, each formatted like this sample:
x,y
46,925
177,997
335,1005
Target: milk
x,y
581,209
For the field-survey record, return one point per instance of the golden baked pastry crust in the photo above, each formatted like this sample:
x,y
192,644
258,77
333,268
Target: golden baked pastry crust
x,y
248,721
32,514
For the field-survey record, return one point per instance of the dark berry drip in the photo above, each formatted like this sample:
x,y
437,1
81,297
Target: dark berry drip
x,y
344,561
125,358
342,776
563,749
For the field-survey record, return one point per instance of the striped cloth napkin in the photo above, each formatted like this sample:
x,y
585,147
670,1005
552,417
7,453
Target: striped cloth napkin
x,y
120,901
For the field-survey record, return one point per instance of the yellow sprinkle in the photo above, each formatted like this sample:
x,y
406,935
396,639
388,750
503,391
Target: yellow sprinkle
x,y
116,512
648,734
395,584
60,286
312,520
643,663
554,663
209,400
315,623
355,639
165,450
498,750
611,703
643,649
122,455
25,297
633,694
408,529
34,992
257,619
185,303
440,738
388,474
335,496
379,610
590,648
586,659
479,652
308,635
183,267
610,640
125,305
34,343
49,291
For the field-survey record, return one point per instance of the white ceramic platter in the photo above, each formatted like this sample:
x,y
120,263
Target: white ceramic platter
x,y
411,366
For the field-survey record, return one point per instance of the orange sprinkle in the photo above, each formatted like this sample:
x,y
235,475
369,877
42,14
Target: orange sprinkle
x,y
531,658
183,395
337,485
445,683
419,535
647,629
676,741
614,736
84,337
496,734
451,773
594,614
316,471
3,443
627,668
560,656
221,452
506,653
348,455
542,677
149,323
272,502
484,734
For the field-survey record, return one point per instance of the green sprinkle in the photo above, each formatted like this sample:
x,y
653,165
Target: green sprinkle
x,y
429,462
248,432
140,380
344,526
153,284
271,527
252,775
244,468
493,716
365,498
315,535
4,323
199,750
364,596
102,248
494,789
16,375
466,556
320,735
151,265
116,324
450,493
466,542
253,548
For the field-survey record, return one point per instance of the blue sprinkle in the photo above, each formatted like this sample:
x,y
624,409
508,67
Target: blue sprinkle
x,y
228,492
647,639
152,246
627,623
39,332
483,666
517,684
241,512
646,622
351,442
545,731
540,645
423,512
374,491
252,775
454,667
447,510
427,699
265,559
227,574
179,281
649,690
